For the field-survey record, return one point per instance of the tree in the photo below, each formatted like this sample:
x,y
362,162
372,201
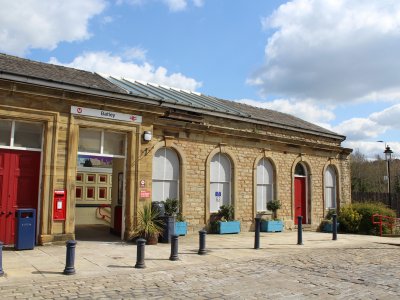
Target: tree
x,y
369,175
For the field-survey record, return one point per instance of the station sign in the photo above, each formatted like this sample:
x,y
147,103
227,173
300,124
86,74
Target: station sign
x,y
105,114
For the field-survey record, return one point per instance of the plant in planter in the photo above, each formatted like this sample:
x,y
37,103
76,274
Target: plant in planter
x,y
171,206
327,222
149,226
180,225
226,222
273,225
171,209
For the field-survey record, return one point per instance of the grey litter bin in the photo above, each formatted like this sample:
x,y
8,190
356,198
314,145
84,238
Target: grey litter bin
x,y
25,228
168,229
158,206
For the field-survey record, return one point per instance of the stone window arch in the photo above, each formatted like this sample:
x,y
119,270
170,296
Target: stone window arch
x,y
265,184
330,191
220,181
166,174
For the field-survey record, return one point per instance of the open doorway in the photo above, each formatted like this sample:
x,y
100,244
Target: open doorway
x,y
100,187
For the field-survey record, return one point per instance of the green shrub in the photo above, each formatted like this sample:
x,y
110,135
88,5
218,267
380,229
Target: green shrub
x,y
349,219
366,210
226,212
273,206
171,206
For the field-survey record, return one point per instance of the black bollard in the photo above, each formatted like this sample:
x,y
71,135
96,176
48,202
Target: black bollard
x,y
174,247
1,259
202,242
257,233
70,258
334,227
300,230
140,254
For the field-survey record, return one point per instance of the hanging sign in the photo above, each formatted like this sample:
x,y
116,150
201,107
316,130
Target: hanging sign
x,y
105,114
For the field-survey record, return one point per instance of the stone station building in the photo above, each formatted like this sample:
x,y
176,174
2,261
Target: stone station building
x,y
82,148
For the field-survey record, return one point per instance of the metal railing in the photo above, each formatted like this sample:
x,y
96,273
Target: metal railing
x,y
390,222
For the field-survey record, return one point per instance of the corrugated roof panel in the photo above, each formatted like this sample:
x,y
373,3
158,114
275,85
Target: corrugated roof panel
x,y
216,105
160,91
126,87
173,93
220,105
176,96
140,88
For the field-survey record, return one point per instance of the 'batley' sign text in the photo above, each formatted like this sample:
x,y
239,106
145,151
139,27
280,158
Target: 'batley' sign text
x,y
104,114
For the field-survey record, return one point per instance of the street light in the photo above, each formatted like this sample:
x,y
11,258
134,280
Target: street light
x,y
388,156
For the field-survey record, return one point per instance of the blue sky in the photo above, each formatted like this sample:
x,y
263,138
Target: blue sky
x,y
331,62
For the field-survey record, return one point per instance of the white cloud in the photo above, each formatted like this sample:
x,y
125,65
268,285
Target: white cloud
x,y
43,24
372,149
198,3
332,50
176,5
373,126
106,63
305,110
388,117
358,129
173,5
135,53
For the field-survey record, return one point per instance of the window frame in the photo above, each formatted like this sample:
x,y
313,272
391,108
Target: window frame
x,y
101,153
222,182
176,181
331,188
12,136
271,183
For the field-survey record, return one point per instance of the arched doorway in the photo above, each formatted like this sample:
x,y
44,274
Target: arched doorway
x,y
300,193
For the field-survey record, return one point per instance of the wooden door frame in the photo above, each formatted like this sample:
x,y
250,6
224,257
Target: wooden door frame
x,y
303,202
13,203
49,119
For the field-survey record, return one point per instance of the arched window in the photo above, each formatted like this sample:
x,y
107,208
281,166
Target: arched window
x,y
265,184
330,188
165,175
299,170
220,181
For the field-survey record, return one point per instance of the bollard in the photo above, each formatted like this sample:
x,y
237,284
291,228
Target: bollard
x,y
174,247
1,259
70,258
140,254
300,230
257,233
334,227
202,242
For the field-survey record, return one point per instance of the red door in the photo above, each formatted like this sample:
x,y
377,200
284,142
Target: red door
x,y
19,187
300,199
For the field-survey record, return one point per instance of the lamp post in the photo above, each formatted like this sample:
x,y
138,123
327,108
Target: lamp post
x,y
388,156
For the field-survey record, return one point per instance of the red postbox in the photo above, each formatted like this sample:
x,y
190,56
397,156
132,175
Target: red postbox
x,y
59,205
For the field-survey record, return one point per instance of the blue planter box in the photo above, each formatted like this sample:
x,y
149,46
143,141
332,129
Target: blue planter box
x,y
229,227
180,228
271,226
328,227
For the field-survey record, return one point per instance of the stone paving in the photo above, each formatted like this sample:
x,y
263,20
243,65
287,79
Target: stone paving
x,y
354,267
